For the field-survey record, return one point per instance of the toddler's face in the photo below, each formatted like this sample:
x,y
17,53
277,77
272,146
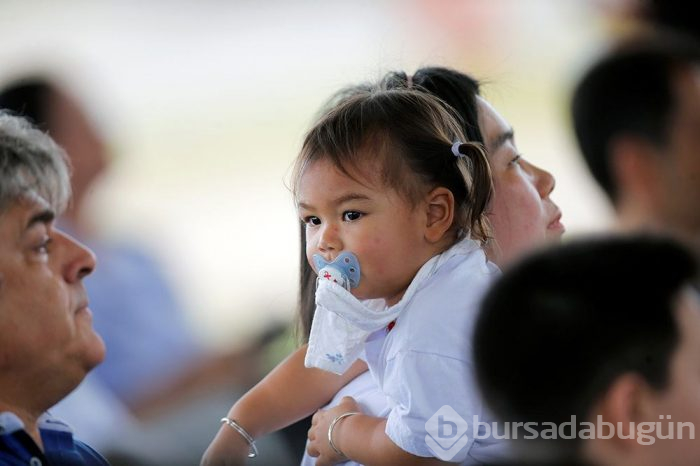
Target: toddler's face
x,y
374,222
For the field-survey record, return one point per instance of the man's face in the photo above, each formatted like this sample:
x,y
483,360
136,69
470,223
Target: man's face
x,y
47,339
681,398
680,168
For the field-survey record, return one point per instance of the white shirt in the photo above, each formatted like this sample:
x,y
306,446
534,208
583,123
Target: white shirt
x,y
425,361
368,396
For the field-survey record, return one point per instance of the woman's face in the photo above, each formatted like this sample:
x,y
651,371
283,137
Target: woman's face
x,y
521,213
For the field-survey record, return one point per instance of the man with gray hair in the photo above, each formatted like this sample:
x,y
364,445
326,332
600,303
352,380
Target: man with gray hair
x,y
47,343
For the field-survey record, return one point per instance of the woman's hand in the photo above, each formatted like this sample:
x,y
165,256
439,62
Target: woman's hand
x,y
319,446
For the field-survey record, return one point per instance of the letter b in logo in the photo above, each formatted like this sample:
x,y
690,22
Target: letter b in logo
x,y
446,433
446,428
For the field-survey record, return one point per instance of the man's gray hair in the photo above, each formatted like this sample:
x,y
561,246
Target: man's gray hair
x,y
31,163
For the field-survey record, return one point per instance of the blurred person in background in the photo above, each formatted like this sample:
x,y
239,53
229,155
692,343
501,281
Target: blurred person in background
x,y
646,15
157,383
672,14
47,341
636,115
588,353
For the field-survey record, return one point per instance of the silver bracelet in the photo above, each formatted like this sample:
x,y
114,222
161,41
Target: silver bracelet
x,y
248,438
330,431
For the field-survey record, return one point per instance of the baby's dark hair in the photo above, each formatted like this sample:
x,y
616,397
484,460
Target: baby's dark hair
x,y
405,137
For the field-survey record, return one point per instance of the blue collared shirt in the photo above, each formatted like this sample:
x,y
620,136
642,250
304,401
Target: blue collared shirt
x,y
17,448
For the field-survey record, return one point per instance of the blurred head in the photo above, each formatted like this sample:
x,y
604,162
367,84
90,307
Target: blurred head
x,y
607,327
636,115
391,148
671,14
48,344
53,109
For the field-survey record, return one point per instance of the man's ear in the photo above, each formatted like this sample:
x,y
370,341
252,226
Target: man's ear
x,y
440,210
629,400
636,169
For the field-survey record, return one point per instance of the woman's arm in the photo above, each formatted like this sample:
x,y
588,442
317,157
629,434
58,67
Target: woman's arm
x,y
360,438
287,394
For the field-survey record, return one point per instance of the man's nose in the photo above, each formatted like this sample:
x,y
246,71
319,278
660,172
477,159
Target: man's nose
x,y
78,260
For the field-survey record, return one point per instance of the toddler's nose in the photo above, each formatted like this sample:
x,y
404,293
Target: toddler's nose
x,y
329,240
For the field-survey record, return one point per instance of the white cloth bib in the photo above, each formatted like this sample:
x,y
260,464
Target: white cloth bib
x,y
342,323
340,327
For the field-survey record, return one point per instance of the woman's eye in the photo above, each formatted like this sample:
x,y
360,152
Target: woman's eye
x,y
516,159
312,220
351,215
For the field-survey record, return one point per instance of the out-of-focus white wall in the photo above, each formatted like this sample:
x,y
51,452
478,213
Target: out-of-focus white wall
x,y
205,104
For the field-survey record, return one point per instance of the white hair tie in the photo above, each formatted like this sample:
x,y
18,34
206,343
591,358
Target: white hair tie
x,y
455,149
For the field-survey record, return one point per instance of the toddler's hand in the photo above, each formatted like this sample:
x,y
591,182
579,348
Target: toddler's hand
x,y
319,446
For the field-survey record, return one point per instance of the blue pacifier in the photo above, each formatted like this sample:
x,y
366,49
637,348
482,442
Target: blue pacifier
x,y
344,270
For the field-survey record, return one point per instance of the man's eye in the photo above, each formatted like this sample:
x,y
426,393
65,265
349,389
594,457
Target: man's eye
x,y
351,215
312,220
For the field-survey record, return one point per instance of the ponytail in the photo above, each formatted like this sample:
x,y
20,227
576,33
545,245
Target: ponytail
x,y
472,162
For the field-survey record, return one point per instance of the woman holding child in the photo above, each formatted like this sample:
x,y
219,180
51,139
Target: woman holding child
x,y
398,186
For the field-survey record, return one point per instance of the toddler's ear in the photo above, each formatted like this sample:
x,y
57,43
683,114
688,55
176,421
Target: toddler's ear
x,y
440,208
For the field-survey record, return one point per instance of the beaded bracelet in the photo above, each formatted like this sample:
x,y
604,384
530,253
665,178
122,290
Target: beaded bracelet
x,y
248,438
330,431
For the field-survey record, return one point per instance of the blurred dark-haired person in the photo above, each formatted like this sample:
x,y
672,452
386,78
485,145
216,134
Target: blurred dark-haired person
x,y
670,14
636,115
589,354
47,342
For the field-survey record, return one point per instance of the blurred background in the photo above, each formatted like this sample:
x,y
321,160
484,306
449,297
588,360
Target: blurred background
x,y
202,106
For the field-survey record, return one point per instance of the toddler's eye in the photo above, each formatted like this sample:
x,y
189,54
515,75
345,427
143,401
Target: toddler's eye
x,y
43,247
351,215
312,220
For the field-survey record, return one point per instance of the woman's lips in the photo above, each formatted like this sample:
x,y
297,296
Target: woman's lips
x,y
556,224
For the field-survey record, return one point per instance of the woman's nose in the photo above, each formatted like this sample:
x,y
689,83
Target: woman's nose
x,y
544,181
